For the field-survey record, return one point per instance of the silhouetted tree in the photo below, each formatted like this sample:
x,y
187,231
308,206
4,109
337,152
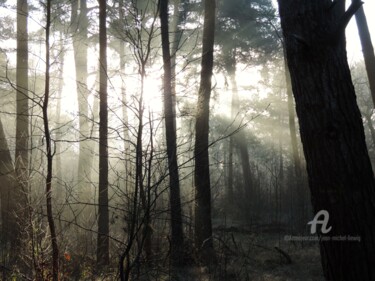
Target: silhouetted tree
x,y
49,150
103,220
171,139
339,170
203,223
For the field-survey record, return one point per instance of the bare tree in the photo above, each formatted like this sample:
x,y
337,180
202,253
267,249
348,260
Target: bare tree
x,y
49,152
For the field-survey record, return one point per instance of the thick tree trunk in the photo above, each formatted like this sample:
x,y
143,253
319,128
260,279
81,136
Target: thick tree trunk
x,y
340,175
367,48
203,223
298,190
171,139
103,220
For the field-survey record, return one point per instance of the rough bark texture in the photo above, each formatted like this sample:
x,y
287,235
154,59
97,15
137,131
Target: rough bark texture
x,y
171,140
103,220
203,223
339,170
299,189
367,48
49,153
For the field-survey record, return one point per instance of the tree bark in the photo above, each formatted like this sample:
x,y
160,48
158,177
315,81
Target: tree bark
x,y
171,139
367,48
203,223
103,220
339,170
49,152
298,189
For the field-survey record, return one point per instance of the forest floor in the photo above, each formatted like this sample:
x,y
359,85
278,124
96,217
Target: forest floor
x,y
261,255
270,257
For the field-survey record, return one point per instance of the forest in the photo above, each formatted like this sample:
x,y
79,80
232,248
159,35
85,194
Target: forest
x,y
186,140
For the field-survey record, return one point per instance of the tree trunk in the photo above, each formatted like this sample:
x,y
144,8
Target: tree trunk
x,y
203,223
239,139
79,31
22,121
171,140
59,134
49,152
103,220
367,48
140,174
8,200
339,170
298,189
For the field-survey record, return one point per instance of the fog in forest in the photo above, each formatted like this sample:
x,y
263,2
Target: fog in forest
x,y
159,140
